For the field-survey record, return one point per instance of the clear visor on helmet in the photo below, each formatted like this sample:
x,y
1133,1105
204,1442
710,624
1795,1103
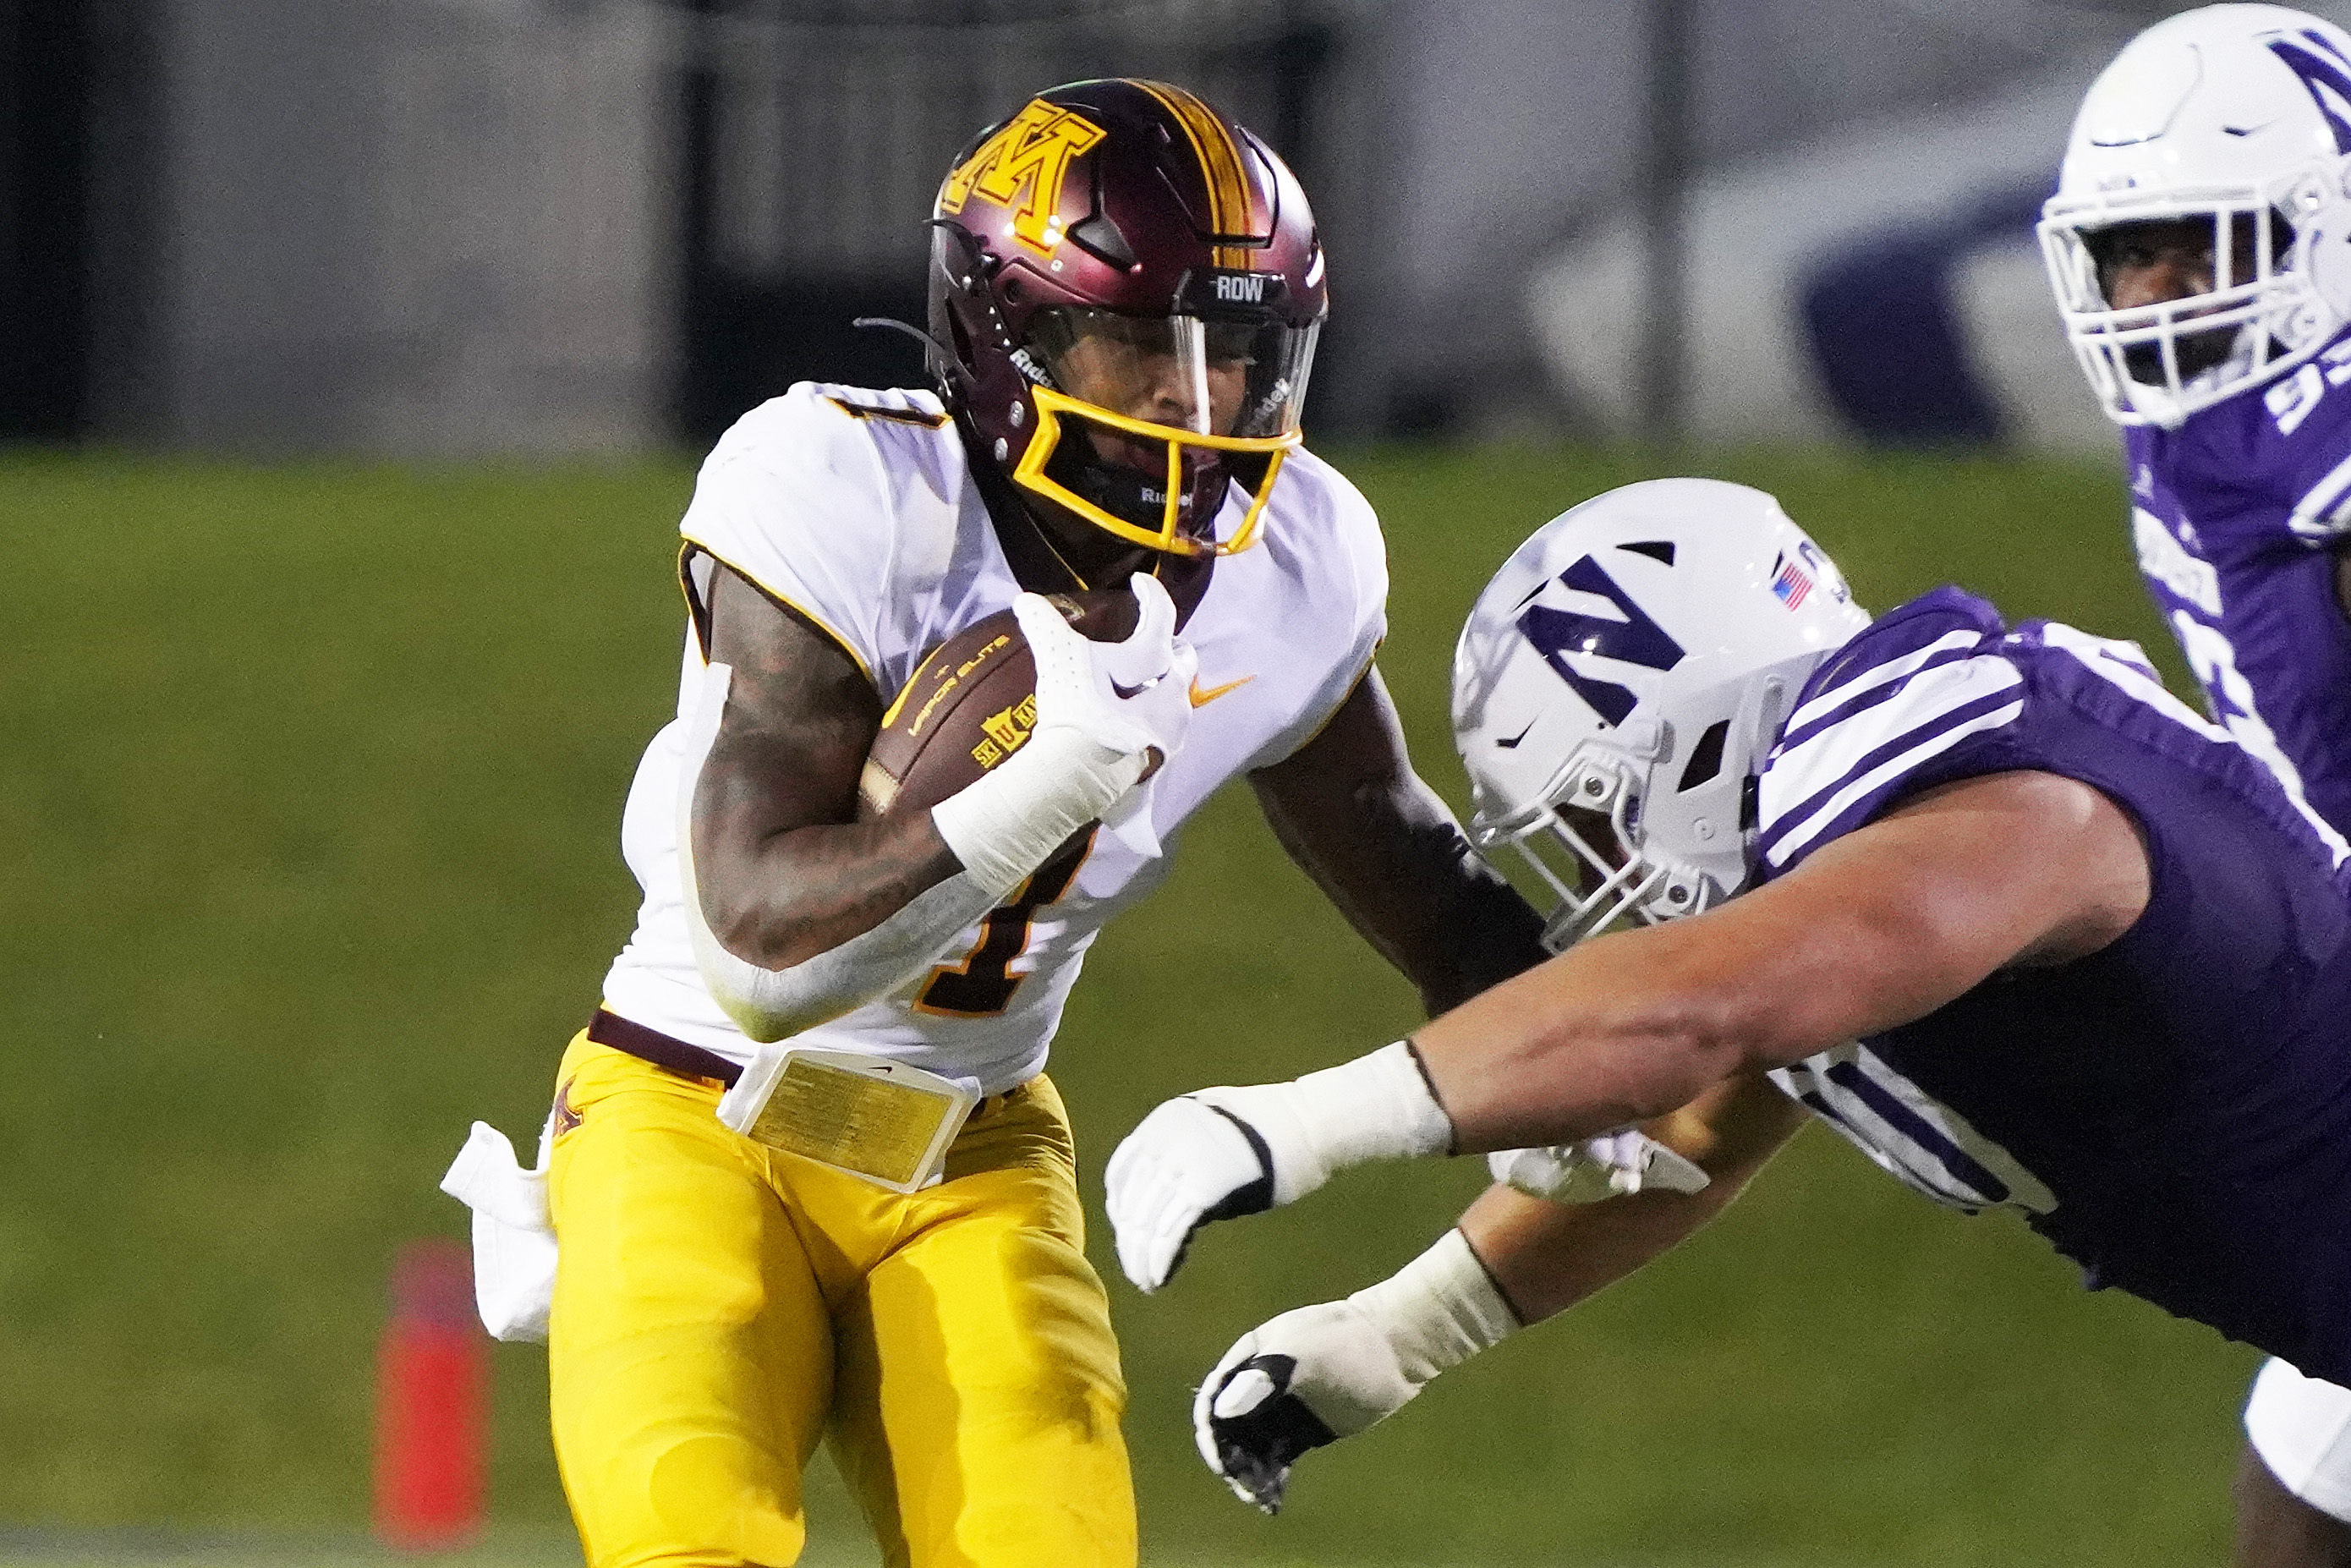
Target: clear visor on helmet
x,y
1582,846
2159,297
1238,378
1161,409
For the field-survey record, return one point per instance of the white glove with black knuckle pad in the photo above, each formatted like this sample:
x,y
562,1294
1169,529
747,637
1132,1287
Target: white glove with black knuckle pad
x,y
1314,1376
1108,714
1218,1153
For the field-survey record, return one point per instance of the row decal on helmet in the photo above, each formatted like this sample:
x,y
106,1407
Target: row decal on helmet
x,y
1634,640
1027,160
1220,160
2329,85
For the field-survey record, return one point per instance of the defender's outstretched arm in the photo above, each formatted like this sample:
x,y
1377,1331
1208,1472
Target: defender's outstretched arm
x,y
1878,928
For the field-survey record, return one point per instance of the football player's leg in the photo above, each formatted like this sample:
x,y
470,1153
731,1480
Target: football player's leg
x,y
689,1350
2293,1487
994,1438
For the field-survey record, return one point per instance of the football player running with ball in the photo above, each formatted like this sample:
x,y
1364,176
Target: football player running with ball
x,y
1987,901
882,1243
2199,243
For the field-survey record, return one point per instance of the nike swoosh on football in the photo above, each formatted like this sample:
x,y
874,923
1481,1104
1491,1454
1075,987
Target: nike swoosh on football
x,y
1203,698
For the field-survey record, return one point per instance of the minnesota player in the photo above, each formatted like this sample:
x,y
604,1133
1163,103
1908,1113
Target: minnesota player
x,y
1125,290
1989,902
2197,245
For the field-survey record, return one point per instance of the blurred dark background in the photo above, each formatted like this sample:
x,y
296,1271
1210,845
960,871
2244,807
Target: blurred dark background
x,y
454,227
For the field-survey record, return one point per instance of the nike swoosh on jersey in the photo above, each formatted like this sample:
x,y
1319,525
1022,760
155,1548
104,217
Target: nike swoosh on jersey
x,y
1202,698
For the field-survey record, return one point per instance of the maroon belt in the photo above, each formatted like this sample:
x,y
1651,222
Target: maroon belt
x,y
651,1045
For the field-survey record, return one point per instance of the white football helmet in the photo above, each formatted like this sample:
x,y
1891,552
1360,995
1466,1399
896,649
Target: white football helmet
x,y
2237,116
1618,684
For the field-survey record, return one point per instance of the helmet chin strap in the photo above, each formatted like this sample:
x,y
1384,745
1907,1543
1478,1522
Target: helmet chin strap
x,y
1123,492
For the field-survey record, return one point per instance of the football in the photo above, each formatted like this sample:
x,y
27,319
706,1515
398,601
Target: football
x,y
970,703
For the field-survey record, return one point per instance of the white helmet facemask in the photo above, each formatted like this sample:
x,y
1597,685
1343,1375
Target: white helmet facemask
x,y
2234,120
1619,681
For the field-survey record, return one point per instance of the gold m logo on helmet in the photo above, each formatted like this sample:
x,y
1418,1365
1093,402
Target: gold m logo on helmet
x,y
1022,166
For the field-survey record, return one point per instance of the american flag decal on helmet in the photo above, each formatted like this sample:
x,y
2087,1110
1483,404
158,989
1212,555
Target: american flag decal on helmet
x,y
1790,582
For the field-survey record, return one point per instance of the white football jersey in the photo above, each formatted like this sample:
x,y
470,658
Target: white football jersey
x,y
855,506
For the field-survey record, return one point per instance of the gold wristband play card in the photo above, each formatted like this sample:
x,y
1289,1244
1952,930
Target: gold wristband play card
x,y
881,1120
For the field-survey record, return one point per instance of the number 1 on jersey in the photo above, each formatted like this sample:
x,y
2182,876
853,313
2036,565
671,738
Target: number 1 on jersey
x,y
982,985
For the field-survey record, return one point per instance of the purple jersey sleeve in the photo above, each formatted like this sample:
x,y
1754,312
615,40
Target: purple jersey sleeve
x,y
1916,684
2172,1112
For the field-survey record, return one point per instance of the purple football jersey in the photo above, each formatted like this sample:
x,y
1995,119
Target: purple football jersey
x,y
2233,514
2173,1111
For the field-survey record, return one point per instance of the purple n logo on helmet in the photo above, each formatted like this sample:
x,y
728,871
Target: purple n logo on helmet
x,y
1634,640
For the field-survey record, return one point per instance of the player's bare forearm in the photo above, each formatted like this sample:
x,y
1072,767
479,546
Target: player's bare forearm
x,y
1382,845
1880,927
1547,1256
783,870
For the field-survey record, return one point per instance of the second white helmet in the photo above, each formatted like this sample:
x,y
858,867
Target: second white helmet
x,y
2238,117
1618,682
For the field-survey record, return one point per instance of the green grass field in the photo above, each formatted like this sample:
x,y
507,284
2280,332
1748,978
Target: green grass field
x,y
310,789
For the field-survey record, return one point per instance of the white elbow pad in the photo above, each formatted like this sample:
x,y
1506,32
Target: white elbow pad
x,y
768,1004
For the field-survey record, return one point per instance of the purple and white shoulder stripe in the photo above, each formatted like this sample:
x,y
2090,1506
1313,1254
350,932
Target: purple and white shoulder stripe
x,y
1852,745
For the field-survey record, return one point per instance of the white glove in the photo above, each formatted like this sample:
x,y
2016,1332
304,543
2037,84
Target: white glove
x,y
1605,1166
1128,696
1218,1153
1107,714
1289,1385
1314,1376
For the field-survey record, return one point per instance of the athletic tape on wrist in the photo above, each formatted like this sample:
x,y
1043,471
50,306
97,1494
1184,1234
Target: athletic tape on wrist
x,y
1004,825
1376,1107
1438,1309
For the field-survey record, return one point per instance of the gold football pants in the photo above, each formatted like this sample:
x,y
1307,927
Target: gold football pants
x,y
718,1305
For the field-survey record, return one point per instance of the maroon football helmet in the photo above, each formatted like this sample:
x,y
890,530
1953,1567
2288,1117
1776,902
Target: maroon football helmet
x,y
1127,287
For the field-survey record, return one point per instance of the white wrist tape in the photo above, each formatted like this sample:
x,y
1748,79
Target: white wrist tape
x,y
768,1004
1003,825
1438,1309
1376,1107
